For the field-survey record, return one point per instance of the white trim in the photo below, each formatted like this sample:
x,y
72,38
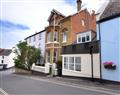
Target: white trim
x,y
52,42
80,35
73,63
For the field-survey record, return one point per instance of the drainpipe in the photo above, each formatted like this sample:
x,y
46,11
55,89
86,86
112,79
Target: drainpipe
x,y
91,53
100,51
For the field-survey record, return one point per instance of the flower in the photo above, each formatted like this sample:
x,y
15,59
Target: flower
x,y
109,65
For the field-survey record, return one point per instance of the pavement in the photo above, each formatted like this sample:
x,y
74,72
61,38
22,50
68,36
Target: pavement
x,y
28,84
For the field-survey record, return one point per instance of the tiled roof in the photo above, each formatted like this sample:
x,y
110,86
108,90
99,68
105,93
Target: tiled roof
x,y
82,48
34,34
56,12
5,52
112,9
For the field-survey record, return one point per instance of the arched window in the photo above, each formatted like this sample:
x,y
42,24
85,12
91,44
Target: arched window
x,y
64,35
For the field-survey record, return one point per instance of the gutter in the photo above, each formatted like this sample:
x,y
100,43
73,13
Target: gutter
x,y
100,51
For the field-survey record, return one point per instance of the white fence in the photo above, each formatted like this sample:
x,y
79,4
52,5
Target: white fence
x,y
43,69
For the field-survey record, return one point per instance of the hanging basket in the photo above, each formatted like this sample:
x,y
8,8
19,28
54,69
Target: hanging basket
x,y
109,65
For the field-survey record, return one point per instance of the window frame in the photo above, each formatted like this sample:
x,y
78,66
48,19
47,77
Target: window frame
x,y
83,35
69,63
48,37
55,36
48,57
83,22
64,36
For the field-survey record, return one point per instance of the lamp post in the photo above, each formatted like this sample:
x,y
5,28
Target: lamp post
x,y
91,53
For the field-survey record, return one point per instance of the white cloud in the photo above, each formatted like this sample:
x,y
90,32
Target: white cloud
x,y
34,13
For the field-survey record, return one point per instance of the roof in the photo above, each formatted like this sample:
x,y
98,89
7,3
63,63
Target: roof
x,y
82,48
111,11
5,52
34,34
56,12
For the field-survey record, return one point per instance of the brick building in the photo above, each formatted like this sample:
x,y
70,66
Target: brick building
x,y
64,31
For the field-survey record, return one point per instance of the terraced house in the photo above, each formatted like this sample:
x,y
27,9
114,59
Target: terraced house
x,y
78,27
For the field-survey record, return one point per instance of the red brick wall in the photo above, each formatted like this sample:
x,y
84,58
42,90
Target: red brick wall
x,y
76,21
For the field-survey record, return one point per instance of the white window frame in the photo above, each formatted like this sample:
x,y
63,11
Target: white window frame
x,y
47,57
54,57
56,36
80,35
83,22
49,37
64,36
68,60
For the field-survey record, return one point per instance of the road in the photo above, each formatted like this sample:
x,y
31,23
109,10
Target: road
x,y
20,85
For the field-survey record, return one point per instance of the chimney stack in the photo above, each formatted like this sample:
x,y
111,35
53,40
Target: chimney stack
x,y
79,3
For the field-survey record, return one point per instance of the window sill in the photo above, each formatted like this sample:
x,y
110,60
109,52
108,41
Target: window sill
x,y
72,70
52,42
64,42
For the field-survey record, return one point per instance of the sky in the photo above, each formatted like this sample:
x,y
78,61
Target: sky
x,y
21,18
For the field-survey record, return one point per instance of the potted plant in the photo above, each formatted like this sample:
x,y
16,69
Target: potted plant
x,y
109,65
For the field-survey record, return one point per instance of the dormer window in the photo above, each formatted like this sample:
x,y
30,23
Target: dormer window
x,y
84,37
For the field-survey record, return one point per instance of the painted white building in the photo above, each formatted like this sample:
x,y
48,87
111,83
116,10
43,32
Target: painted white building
x,y
79,62
37,40
6,58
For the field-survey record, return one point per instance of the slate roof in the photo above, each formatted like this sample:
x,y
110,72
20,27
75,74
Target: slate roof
x,y
5,52
34,34
82,48
56,12
112,10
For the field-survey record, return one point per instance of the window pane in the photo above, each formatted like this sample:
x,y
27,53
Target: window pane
x,y
87,38
54,58
55,36
83,39
64,36
48,37
71,63
65,62
79,39
48,56
78,64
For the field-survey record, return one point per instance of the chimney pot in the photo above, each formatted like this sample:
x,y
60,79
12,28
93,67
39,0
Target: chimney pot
x,y
79,3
